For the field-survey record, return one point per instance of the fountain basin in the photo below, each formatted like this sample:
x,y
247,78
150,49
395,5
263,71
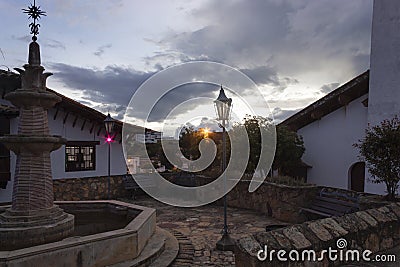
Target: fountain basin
x,y
106,233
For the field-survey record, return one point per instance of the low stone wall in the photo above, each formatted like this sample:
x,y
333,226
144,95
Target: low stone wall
x,y
373,229
88,188
368,201
279,201
365,200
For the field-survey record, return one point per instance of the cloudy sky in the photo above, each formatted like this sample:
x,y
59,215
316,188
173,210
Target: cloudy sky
x,y
296,51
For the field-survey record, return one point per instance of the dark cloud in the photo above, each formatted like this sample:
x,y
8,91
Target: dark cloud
x,y
329,87
114,85
282,114
263,75
236,32
100,51
182,94
269,76
274,42
293,37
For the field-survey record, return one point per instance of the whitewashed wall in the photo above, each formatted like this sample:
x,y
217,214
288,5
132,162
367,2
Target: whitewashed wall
x,y
66,130
329,144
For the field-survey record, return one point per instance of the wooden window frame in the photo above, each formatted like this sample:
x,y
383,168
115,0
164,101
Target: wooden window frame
x,y
84,153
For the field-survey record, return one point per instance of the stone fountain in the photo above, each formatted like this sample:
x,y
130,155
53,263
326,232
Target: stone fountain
x,y
35,230
33,218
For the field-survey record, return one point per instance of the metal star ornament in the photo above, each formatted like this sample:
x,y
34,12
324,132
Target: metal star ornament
x,y
34,13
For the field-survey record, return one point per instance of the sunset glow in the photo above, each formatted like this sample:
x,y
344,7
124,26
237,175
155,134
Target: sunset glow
x,y
206,131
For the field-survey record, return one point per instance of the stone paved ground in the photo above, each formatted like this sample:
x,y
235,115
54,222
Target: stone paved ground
x,y
198,230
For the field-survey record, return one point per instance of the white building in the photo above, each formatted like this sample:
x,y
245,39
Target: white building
x,y
331,125
149,137
84,155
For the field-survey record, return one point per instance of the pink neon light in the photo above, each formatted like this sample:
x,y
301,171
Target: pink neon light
x,y
109,139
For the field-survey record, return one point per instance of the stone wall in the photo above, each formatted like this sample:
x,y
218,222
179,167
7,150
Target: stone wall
x,y
373,229
365,200
88,188
279,201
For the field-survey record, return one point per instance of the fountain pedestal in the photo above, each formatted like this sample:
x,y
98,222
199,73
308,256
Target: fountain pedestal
x,y
33,218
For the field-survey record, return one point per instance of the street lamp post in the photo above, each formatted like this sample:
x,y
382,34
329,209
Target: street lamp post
x,y
109,125
223,107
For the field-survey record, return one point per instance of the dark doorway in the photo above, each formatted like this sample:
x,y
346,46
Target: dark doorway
x,y
357,176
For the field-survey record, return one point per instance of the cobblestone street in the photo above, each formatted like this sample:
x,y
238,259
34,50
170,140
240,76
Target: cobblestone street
x,y
198,230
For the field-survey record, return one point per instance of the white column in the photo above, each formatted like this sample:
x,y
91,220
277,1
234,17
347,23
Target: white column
x,y
384,85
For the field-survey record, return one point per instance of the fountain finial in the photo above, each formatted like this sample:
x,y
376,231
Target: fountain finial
x,y
34,12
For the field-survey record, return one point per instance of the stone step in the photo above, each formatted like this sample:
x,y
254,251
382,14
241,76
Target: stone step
x,y
170,252
186,250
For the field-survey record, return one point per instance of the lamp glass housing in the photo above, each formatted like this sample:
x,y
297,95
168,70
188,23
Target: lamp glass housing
x,y
223,106
109,124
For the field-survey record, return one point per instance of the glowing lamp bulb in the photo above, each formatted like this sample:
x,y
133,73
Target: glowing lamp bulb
x,y
109,139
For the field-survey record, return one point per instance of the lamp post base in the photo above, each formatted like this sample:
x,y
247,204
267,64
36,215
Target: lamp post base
x,y
226,243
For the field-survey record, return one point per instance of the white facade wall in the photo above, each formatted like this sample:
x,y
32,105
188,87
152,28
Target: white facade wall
x,y
329,144
118,165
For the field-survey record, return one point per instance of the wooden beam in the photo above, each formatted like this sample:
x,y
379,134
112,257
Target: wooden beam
x,y
55,115
83,125
344,99
98,132
73,124
91,129
316,115
65,117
